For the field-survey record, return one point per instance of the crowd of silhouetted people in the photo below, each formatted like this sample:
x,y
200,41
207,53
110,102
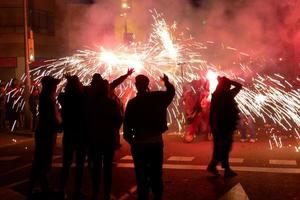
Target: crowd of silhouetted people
x,y
90,118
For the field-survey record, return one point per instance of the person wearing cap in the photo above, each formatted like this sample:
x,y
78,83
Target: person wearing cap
x,y
144,123
45,135
224,118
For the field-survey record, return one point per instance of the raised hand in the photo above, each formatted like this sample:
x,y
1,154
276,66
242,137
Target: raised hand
x,y
130,71
67,75
165,78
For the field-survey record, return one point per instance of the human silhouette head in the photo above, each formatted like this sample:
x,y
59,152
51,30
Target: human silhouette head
x,y
96,79
73,84
141,83
49,84
223,83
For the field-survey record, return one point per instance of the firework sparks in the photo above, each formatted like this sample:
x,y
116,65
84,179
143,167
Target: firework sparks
x,y
270,98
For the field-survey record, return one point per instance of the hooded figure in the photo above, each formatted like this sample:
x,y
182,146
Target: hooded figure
x,y
75,138
45,135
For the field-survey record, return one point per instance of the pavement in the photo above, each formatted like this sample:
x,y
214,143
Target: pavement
x,y
8,138
264,172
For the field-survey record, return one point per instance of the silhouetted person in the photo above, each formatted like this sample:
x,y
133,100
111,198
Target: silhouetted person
x,y
33,105
12,105
74,139
2,105
144,123
115,83
103,119
115,97
224,118
45,135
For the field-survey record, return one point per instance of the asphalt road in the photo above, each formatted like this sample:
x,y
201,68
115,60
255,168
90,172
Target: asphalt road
x,y
263,173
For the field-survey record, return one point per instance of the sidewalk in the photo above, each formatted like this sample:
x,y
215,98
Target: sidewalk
x,y
7,138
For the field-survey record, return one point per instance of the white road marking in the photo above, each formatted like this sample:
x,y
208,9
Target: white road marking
x,y
235,193
130,192
236,168
8,158
128,157
283,162
181,158
236,160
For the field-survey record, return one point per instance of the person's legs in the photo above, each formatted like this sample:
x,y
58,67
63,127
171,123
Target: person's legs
x,y
141,171
68,150
34,120
47,162
96,168
242,130
212,166
108,165
2,118
226,147
251,130
156,170
80,161
227,144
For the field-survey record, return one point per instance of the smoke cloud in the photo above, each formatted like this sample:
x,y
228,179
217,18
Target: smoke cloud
x,y
269,29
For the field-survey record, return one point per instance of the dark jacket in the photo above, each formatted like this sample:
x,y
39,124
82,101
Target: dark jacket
x,y
103,119
48,120
72,113
146,114
33,103
224,113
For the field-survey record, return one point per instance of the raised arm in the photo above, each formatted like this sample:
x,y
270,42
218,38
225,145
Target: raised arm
x,y
120,80
170,93
237,87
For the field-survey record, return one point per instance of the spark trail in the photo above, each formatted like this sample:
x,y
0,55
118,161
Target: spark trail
x,y
269,98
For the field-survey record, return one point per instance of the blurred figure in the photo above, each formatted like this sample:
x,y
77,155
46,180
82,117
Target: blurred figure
x,y
246,123
192,112
103,121
33,105
2,106
12,105
45,136
74,138
224,117
144,123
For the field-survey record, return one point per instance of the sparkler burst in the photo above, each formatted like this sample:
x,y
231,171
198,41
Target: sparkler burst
x,y
271,99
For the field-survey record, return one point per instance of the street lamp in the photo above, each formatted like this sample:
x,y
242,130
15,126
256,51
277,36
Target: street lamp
x,y
126,7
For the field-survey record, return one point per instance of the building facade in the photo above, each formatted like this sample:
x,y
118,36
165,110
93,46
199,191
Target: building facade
x,y
58,27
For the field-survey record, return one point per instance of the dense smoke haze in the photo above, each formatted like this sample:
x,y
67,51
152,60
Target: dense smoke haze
x,y
268,29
